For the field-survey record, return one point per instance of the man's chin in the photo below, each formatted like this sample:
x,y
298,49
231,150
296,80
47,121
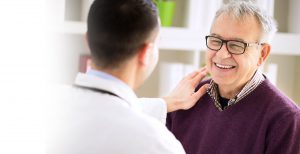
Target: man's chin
x,y
221,81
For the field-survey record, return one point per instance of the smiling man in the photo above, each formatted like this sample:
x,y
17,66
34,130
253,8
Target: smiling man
x,y
242,111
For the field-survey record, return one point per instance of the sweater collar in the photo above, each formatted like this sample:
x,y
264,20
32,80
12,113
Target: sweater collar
x,y
213,91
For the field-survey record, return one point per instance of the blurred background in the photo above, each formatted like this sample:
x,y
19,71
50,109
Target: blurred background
x,y
182,45
24,73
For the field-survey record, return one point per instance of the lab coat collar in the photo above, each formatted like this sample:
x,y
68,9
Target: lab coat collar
x,y
90,81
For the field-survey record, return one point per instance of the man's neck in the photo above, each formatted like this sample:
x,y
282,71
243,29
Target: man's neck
x,y
229,92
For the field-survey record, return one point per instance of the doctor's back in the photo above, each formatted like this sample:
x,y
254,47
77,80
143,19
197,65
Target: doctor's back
x,y
100,113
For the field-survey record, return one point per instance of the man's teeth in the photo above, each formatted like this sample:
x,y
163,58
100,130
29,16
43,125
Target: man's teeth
x,y
224,66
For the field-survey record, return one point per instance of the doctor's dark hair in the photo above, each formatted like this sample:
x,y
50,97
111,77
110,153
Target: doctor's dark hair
x,y
118,28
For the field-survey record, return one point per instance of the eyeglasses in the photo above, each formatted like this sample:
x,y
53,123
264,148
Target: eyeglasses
x,y
233,46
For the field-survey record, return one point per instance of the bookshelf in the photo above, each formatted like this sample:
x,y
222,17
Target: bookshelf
x,y
182,43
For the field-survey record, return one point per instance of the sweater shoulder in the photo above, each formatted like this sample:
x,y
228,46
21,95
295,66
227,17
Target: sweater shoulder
x,y
275,99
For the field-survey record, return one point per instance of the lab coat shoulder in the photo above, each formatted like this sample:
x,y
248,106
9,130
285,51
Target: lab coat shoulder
x,y
146,135
154,107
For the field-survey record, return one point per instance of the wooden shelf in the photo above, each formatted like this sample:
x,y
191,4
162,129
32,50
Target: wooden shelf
x,y
71,27
172,38
286,44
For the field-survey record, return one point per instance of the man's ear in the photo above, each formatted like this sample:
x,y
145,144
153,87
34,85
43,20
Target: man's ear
x,y
265,51
144,53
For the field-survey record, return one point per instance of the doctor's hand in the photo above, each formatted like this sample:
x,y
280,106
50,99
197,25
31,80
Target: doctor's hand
x,y
184,97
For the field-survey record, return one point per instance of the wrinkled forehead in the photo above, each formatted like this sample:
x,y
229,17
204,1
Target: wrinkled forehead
x,y
244,18
230,25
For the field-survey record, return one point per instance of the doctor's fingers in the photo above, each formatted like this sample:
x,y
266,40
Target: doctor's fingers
x,y
201,91
199,77
195,73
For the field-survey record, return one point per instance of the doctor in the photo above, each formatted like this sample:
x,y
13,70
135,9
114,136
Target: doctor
x,y
101,113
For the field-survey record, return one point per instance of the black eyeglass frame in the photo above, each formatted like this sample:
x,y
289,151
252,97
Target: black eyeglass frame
x,y
225,41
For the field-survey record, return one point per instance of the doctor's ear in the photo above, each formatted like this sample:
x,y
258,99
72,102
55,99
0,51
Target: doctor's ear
x,y
144,53
265,51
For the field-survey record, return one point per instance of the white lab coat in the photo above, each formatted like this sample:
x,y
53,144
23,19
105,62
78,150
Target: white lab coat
x,y
90,122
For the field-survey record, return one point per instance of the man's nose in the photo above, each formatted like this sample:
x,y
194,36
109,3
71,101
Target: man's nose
x,y
223,52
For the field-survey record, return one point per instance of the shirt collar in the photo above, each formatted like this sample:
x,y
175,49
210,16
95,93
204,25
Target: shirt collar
x,y
213,90
104,81
100,74
106,76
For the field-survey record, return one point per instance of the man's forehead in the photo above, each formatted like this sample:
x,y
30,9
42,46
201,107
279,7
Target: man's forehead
x,y
230,27
242,18
227,38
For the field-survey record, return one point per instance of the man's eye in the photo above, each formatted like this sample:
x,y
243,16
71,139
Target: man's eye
x,y
216,42
236,47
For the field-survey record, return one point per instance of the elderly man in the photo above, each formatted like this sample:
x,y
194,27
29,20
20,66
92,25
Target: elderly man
x,y
242,112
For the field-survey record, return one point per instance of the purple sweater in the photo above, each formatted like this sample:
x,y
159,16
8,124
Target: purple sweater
x,y
265,121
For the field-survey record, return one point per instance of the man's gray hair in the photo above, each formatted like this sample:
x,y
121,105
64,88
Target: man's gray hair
x,y
242,9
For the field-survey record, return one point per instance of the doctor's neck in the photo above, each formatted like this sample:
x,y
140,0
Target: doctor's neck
x,y
126,72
